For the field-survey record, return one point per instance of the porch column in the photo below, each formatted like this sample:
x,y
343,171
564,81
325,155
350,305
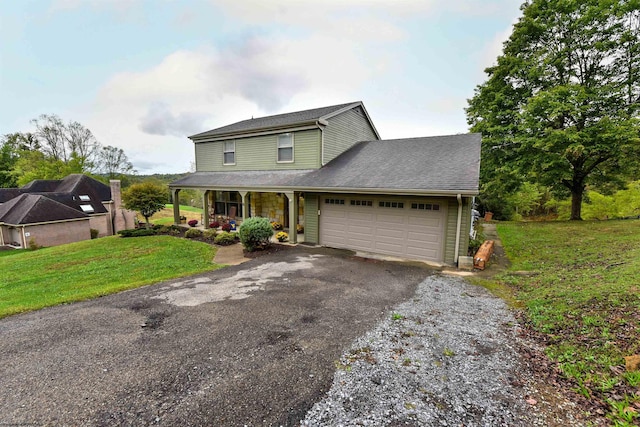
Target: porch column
x,y
205,209
293,216
246,208
176,206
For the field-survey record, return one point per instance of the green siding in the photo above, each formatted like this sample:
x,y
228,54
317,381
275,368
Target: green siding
x,y
452,223
261,153
311,218
343,131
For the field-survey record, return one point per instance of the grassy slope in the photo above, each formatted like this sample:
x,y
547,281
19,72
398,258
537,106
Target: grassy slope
x,y
584,296
83,270
165,216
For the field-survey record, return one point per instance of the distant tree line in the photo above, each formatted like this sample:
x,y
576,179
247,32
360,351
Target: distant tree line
x,y
56,149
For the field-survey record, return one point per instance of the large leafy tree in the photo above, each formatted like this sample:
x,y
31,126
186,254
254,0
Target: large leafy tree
x,y
146,197
561,105
11,147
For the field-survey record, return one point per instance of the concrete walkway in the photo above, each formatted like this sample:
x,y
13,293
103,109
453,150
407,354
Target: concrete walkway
x,y
230,255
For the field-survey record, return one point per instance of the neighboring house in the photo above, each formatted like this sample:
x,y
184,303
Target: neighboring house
x,y
55,212
328,170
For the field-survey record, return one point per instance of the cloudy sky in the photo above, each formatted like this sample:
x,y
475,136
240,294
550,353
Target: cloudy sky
x,y
144,75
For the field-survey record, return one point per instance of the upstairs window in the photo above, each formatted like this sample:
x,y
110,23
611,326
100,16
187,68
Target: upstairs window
x,y
285,147
229,150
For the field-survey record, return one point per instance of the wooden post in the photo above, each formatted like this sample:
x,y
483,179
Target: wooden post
x,y
176,206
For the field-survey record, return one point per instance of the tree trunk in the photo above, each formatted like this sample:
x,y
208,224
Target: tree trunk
x,y
576,203
146,219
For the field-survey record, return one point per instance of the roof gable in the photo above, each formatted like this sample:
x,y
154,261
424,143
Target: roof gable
x,y
297,118
35,208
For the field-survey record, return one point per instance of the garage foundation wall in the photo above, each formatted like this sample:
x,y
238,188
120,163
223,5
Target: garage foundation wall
x,y
58,233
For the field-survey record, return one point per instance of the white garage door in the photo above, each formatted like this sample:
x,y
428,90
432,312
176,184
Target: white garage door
x,y
412,229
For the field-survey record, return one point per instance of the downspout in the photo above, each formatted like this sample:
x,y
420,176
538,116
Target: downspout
x,y
24,239
456,251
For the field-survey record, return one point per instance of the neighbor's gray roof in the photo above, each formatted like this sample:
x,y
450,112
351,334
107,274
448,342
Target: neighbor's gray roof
x,y
438,164
32,208
72,200
278,121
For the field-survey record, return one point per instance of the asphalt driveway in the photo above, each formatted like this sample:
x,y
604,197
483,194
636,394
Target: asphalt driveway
x,y
253,344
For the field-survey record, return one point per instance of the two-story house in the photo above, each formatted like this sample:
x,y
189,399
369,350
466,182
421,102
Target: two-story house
x,y
328,170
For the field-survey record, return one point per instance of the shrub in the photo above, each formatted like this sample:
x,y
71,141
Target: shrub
x,y
137,232
193,233
214,224
255,232
226,227
282,236
225,238
209,234
172,230
193,222
94,233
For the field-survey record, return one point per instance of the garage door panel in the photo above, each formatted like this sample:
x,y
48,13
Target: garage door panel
x,y
425,221
400,232
391,219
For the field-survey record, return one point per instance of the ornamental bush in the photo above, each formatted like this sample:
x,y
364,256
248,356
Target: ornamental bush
x,y
193,223
255,233
209,234
226,227
282,236
214,224
225,238
193,233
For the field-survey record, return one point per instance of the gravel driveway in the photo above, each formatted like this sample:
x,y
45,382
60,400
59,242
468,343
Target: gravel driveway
x,y
305,334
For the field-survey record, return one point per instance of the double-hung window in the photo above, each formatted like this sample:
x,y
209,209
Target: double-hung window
x,y
285,147
229,150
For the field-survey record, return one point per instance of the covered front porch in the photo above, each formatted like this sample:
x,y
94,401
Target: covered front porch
x,y
223,204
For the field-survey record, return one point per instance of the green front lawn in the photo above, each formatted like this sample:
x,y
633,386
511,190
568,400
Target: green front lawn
x,y
581,290
35,279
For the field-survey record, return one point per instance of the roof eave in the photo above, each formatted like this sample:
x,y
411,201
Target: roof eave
x,y
373,190
201,137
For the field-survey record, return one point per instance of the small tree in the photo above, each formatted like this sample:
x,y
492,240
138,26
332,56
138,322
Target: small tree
x,y
255,232
146,198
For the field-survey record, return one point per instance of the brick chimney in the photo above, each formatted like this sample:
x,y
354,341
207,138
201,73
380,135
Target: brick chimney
x,y
119,217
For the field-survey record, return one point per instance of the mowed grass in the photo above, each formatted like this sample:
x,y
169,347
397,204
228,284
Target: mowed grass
x,y
582,291
35,279
165,216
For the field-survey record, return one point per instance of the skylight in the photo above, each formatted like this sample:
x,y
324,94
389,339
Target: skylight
x,y
85,198
86,208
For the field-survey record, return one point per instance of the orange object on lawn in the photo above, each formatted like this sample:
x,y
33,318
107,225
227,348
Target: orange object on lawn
x,y
481,258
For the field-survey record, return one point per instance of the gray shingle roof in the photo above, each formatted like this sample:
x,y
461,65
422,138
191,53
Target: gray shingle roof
x,y
438,164
72,200
83,184
33,208
278,121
